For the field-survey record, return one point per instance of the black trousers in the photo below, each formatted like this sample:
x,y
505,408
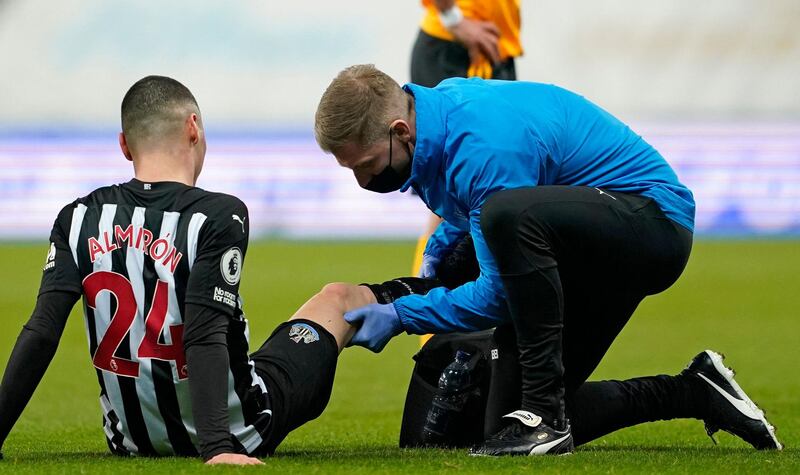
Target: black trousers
x,y
575,262
434,60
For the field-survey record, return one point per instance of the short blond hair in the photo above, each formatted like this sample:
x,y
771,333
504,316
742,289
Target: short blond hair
x,y
357,108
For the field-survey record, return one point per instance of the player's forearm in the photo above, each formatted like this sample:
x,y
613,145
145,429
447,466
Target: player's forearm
x,y
208,386
207,361
28,363
35,347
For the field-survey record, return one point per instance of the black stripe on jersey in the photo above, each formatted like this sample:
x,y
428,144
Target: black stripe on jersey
x,y
118,439
113,448
166,397
170,409
115,443
182,271
133,414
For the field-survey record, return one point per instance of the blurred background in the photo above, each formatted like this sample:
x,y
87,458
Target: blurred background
x,y
713,85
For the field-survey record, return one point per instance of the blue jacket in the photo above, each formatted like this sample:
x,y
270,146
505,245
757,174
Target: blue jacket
x,y
475,137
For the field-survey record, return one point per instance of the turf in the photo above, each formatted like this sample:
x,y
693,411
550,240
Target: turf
x,y
740,298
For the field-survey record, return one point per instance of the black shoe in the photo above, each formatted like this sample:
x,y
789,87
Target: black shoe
x,y
729,407
526,434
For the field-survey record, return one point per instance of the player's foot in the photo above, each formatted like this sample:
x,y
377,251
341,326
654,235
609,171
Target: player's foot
x,y
526,434
729,407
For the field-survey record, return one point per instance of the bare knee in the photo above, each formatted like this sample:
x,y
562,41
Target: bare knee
x,y
345,296
335,294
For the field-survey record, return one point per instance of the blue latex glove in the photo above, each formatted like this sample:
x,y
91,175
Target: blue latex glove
x,y
377,324
428,268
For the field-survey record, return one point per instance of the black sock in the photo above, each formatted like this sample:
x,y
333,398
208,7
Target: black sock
x,y
601,407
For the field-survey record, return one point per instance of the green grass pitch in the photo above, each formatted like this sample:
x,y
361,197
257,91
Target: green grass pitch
x,y
739,297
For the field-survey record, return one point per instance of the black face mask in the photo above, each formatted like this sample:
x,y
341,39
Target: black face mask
x,y
389,179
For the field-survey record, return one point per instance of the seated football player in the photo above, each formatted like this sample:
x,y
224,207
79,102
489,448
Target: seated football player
x,y
158,263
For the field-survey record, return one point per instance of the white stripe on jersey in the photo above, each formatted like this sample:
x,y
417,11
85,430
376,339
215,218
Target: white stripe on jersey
x,y
145,389
169,228
102,319
195,224
75,230
74,236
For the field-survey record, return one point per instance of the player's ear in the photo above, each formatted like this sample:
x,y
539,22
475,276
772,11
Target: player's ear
x,y
402,130
194,128
123,145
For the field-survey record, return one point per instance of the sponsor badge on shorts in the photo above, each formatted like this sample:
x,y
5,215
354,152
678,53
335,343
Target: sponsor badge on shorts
x,y
231,265
303,332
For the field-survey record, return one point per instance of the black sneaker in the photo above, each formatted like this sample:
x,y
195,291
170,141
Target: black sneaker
x,y
729,407
526,434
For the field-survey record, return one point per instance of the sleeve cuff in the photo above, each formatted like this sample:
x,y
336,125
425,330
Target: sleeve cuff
x,y
406,322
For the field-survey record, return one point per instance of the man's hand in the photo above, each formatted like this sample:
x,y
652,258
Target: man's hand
x,y
377,324
479,37
428,268
233,459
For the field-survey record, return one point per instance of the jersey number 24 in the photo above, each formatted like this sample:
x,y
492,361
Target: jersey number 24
x,y
120,287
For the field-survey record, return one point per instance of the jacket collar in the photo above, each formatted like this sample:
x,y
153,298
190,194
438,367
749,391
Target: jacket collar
x,y
430,116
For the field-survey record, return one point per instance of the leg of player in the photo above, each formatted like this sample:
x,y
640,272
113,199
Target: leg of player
x,y
298,361
327,309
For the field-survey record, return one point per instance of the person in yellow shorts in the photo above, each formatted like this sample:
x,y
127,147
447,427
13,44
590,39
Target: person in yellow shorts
x,y
466,38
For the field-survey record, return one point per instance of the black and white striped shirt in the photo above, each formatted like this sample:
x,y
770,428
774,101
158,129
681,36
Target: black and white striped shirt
x,y
138,252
